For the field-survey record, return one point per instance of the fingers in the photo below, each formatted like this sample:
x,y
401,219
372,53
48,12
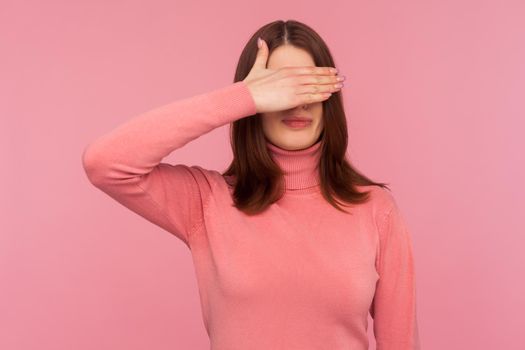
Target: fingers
x,y
319,79
312,98
314,80
312,70
318,88
316,84
262,54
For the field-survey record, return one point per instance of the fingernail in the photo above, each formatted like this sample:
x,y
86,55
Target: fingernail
x,y
259,42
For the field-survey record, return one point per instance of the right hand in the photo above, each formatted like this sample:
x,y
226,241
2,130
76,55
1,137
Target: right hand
x,y
288,87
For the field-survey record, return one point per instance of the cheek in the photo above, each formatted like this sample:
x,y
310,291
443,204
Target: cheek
x,y
318,112
270,122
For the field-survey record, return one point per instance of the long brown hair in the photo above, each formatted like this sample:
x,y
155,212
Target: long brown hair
x,y
257,179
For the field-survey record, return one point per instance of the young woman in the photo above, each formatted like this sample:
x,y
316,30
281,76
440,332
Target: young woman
x,y
280,263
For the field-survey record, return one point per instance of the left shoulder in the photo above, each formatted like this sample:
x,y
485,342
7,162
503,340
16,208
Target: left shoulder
x,y
381,199
382,204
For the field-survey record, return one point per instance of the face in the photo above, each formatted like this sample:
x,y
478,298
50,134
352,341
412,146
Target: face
x,y
275,130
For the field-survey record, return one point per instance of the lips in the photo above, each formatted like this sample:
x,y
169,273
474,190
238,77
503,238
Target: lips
x,y
296,123
297,118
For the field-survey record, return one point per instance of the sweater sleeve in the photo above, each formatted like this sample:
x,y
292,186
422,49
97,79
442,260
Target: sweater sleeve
x,y
126,162
394,305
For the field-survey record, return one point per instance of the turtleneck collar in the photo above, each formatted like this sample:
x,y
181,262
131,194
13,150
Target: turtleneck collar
x,y
300,167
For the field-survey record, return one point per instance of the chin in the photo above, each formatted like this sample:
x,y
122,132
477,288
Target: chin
x,y
291,140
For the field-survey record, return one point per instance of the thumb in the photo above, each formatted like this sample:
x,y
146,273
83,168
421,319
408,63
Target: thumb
x,y
262,54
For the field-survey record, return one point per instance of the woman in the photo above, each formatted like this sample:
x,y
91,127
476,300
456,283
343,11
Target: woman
x,y
279,263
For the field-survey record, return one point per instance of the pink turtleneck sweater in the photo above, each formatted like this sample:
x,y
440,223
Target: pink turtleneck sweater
x,y
302,275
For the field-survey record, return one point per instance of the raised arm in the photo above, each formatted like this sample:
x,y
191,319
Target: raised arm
x,y
126,162
394,305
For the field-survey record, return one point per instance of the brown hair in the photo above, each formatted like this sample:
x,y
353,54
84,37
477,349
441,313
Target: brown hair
x,y
258,180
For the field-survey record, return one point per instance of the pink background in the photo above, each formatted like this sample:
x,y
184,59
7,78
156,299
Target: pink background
x,y
434,100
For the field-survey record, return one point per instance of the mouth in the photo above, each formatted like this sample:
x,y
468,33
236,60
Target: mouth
x,y
298,118
297,123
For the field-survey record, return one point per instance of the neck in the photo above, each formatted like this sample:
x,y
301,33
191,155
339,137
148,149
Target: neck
x,y
300,167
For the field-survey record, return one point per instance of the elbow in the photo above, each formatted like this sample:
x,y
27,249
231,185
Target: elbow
x,y
93,165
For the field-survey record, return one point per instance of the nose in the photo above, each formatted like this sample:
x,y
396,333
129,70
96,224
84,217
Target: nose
x,y
299,108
